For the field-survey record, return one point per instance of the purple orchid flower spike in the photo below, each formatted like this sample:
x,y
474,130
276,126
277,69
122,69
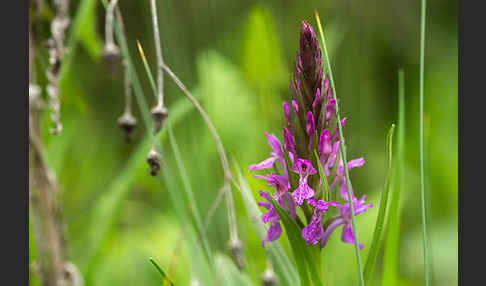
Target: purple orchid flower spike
x,y
314,231
344,218
309,112
303,192
276,155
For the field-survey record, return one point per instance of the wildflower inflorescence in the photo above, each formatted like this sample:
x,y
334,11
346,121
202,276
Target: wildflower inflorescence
x,y
310,128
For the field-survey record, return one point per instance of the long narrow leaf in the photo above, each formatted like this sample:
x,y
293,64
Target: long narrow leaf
x,y
343,153
380,220
390,256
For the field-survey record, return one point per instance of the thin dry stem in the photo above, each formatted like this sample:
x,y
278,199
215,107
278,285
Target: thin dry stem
x,y
219,145
110,11
160,59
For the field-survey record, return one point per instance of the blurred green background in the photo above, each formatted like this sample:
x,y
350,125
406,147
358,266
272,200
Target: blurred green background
x,y
237,58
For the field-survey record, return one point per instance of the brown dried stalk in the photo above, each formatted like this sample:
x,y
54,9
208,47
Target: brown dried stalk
x,y
44,205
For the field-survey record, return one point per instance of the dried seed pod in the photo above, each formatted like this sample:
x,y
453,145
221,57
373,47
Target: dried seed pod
x,y
236,248
71,275
153,159
112,56
269,278
159,115
127,123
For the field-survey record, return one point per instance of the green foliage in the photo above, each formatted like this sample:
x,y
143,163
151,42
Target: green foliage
x,y
304,258
380,220
261,53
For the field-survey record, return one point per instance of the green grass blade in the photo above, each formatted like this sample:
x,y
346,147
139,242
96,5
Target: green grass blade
x,y
325,184
390,256
162,273
195,215
421,151
343,152
283,266
380,220
147,69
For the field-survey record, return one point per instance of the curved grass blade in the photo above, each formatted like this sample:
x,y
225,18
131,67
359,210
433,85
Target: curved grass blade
x,y
283,266
302,252
342,151
380,220
162,273
390,255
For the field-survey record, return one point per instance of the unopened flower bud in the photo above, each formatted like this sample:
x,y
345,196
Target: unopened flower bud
x,y
269,278
153,159
159,114
236,248
127,123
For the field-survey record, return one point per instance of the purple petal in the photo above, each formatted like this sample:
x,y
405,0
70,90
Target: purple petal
x,y
273,232
295,105
310,126
316,99
330,107
329,230
325,147
348,236
274,144
288,141
286,110
313,231
303,192
265,164
303,167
